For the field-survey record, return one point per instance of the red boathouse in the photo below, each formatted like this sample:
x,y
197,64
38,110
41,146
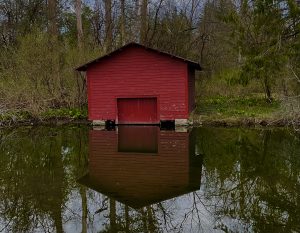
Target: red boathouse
x,y
140,85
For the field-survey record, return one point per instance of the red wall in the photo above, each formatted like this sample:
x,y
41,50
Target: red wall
x,y
191,87
137,72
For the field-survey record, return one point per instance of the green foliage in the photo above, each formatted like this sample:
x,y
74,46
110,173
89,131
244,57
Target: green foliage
x,y
262,38
41,76
39,167
60,113
11,116
254,44
70,31
250,168
73,113
222,106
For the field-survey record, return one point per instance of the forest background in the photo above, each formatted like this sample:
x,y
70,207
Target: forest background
x,y
249,51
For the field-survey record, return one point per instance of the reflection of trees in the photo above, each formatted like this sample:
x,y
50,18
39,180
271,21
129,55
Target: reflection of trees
x,y
34,177
121,218
253,176
250,182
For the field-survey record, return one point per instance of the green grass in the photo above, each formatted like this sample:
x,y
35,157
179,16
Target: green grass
x,y
73,113
236,107
61,113
14,116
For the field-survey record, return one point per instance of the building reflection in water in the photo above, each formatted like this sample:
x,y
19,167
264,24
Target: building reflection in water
x,y
142,165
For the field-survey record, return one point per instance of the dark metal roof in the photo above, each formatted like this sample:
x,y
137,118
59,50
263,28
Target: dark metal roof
x,y
84,67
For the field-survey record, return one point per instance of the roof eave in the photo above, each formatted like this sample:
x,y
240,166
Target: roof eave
x,y
195,66
85,66
81,68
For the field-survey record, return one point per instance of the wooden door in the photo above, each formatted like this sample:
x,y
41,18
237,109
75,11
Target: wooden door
x,y
137,111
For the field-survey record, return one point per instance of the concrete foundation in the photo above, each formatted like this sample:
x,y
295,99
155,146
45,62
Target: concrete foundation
x,y
98,123
181,122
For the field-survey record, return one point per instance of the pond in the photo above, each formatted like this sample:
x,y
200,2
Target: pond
x,y
145,179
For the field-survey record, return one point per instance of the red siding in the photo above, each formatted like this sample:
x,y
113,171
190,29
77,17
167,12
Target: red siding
x,y
137,72
191,89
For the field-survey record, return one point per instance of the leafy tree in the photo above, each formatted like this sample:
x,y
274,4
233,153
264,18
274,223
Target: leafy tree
x,y
261,34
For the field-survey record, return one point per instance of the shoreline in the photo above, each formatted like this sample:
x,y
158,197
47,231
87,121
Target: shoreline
x,y
232,122
44,122
246,122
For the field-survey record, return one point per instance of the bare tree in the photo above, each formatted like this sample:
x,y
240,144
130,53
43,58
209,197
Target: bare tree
x,y
52,18
122,23
108,25
97,24
79,23
144,21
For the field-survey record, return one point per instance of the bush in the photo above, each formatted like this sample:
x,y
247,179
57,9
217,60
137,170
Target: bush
x,y
40,75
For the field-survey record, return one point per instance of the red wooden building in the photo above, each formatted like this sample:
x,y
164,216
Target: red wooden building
x,y
137,85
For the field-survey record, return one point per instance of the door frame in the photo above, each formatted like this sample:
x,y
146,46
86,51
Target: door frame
x,y
139,97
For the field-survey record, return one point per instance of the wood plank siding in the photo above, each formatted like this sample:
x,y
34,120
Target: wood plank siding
x,y
137,72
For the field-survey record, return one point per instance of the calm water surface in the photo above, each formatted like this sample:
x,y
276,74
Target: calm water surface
x,y
143,179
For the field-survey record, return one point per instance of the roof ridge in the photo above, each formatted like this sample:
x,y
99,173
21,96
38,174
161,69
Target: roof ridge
x,y
84,66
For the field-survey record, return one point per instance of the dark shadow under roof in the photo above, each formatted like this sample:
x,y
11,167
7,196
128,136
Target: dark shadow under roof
x,y
85,66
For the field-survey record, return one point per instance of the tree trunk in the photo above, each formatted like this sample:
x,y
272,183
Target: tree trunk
x,y
79,23
53,30
122,23
151,222
52,18
97,34
144,22
144,220
84,209
284,86
112,215
267,90
136,24
127,220
108,25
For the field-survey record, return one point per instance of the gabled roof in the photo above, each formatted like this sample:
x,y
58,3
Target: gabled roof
x,y
84,67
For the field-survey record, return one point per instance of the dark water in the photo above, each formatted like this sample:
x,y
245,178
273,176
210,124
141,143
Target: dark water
x,y
143,179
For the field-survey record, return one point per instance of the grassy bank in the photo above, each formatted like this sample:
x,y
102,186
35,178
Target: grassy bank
x,y
222,110
220,107
11,118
